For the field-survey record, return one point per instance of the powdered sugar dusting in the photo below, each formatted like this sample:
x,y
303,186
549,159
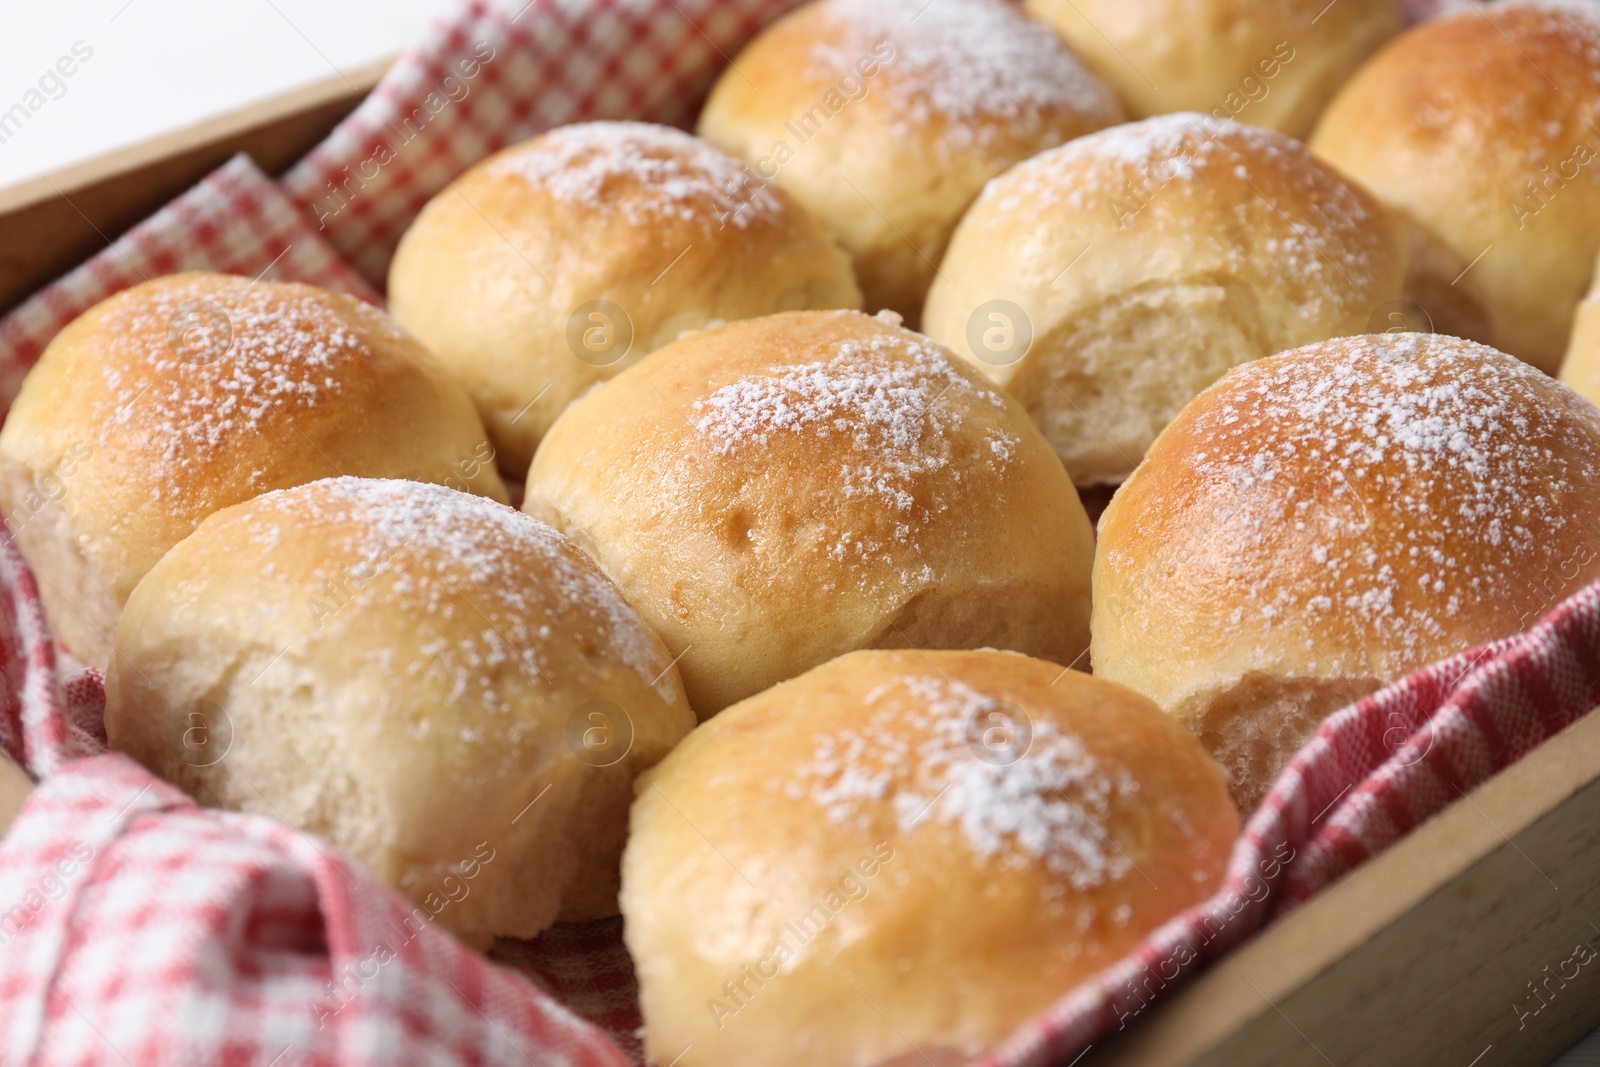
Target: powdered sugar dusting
x,y
913,751
643,172
1569,18
434,553
1545,43
1279,204
977,66
1471,458
883,395
205,361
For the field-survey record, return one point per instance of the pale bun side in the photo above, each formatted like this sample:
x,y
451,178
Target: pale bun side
x,y
1581,367
885,118
409,673
1106,282
1328,520
555,263
779,491
869,864
1273,64
1479,128
193,392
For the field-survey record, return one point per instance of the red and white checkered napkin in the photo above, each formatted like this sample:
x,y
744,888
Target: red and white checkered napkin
x,y
237,220
496,74
130,920
148,930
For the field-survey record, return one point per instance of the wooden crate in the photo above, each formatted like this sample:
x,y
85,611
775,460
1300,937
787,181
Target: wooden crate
x,y
1429,954
1437,952
50,224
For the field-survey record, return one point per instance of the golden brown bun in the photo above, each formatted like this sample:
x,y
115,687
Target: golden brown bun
x,y
410,673
1477,126
552,265
1322,522
193,392
885,118
1581,367
903,856
1272,63
782,490
1145,260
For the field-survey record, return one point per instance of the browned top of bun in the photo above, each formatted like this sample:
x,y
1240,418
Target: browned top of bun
x,y
1506,75
1480,125
655,186
885,118
1001,872
196,391
774,492
672,233
952,76
1359,507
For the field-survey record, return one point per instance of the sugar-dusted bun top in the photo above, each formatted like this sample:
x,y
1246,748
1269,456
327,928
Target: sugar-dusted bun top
x,y
193,392
777,491
1360,507
1519,78
863,434
858,401
1479,125
885,118
964,74
462,595
555,263
642,173
978,827
1190,193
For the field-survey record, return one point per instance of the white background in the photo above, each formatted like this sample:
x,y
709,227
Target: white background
x,y
160,65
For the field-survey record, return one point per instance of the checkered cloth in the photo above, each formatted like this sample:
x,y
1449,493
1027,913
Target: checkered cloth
x,y
149,931
136,926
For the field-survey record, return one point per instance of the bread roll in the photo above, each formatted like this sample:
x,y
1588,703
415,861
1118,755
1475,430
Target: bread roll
x,y
1272,63
901,857
1106,282
446,690
885,118
192,392
1581,367
1325,521
552,265
781,490
1478,126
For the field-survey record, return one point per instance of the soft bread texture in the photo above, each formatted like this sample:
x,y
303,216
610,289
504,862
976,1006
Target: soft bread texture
x,y
1272,63
902,856
1581,367
885,118
411,673
501,273
1144,261
193,392
1325,521
779,491
1477,126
